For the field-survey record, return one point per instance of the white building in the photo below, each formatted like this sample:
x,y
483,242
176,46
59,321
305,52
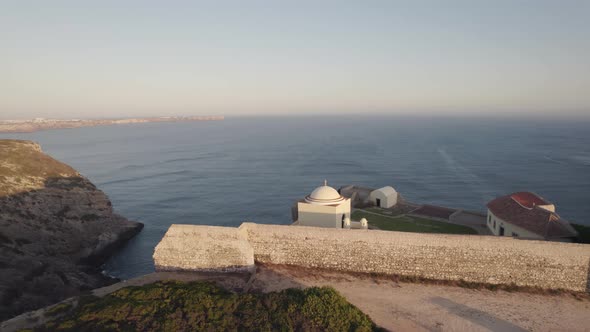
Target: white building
x,y
385,197
324,207
527,215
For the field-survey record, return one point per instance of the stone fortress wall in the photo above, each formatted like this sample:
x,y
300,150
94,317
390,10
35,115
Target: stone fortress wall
x,y
204,248
482,259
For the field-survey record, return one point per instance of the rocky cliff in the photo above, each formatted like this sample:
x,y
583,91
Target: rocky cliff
x,y
56,229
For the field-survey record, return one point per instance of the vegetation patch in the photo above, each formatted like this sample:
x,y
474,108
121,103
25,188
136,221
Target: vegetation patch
x,y
405,223
58,309
198,306
386,212
583,233
328,274
23,167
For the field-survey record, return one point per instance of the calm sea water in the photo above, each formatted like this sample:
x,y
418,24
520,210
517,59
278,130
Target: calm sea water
x,y
253,169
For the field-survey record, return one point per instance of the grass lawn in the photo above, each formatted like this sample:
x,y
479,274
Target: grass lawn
x,y
385,212
406,223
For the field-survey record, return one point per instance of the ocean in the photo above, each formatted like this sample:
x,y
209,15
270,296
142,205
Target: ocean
x,y
255,168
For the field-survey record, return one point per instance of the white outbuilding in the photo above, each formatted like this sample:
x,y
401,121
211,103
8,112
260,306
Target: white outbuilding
x,y
385,197
324,207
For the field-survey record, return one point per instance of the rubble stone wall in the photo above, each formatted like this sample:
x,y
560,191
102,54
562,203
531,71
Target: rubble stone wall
x,y
484,259
203,248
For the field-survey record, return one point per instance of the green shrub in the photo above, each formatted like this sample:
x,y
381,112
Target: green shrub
x,y
58,309
176,306
583,233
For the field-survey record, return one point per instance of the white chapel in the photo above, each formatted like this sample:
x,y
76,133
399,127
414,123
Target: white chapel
x,y
324,207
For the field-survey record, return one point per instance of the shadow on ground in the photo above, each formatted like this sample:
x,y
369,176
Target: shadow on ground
x,y
475,316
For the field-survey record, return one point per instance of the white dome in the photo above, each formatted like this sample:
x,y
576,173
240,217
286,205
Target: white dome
x,y
324,195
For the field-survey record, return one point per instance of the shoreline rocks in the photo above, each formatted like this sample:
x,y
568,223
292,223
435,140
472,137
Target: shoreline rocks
x,y
56,230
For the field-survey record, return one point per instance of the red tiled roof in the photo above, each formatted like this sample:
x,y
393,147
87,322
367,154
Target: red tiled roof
x,y
515,210
528,200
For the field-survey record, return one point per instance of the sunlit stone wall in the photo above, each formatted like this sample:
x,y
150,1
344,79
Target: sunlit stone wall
x,y
484,259
203,248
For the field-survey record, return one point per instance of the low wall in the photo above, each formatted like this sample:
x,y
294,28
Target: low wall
x,y
204,248
485,259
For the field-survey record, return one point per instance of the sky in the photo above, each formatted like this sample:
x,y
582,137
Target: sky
x,y
88,59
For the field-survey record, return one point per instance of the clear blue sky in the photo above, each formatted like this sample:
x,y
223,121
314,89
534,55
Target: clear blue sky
x,y
130,58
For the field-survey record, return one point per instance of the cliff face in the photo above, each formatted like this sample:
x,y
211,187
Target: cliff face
x,y
56,229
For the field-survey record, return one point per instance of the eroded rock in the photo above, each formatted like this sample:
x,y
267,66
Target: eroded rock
x,y
56,229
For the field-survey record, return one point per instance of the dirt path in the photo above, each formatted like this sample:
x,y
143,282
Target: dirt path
x,y
419,307
470,219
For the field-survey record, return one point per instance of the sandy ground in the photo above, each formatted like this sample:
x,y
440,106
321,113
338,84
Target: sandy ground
x,y
419,307
392,305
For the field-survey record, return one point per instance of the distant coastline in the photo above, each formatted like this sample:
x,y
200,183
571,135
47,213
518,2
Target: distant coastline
x,y
29,126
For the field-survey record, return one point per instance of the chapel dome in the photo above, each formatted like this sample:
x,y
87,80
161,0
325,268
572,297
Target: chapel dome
x,y
324,195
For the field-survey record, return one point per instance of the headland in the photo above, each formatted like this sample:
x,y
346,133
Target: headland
x,y
56,230
27,126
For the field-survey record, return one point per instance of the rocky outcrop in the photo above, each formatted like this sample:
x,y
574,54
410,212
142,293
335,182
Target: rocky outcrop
x,y
56,229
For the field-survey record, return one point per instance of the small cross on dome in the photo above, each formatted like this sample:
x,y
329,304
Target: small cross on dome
x,y
325,182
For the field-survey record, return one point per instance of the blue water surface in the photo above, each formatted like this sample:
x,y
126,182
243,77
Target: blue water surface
x,y
253,169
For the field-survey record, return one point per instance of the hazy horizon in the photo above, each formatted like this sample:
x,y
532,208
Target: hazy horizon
x,y
66,59
507,115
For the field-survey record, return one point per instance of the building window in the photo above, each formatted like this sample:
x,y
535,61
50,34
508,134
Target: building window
x,y
501,231
494,223
489,218
514,234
